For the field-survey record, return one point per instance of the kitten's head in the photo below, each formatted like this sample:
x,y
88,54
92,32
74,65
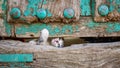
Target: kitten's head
x,y
57,42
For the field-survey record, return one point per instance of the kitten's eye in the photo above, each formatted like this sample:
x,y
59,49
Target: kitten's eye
x,y
57,41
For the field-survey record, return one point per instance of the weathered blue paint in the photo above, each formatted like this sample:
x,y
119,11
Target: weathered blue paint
x,y
33,6
15,13
4,5
8,27
113,27
35,28
114,5
41,13
49,14
67,29
93,7
16,57
118,5
118,8
68,13
85,7
103,10
111,5
92,24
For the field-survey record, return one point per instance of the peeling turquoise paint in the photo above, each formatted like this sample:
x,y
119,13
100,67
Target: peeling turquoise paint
x,y
114,5
92,24
33,6
16,57
68,29
49,14
4,5
85,7
45,2
8,27
113,27
35,28
93,7
56,30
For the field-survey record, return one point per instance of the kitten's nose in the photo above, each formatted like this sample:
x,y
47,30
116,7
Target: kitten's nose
x,y
59,46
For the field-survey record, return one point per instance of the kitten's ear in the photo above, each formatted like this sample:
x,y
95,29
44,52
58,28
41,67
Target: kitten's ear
x,y
61,38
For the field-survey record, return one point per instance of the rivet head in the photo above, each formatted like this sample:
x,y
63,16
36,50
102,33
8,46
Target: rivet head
x,y
15,13
68,13
41,13
103,10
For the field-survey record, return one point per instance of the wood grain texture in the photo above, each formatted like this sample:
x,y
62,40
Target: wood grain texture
x,y
56,7
100,55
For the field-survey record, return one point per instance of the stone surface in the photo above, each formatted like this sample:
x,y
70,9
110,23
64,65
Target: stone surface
x,y
88,55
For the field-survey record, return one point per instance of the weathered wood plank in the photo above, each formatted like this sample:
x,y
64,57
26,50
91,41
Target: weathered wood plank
x,y
27,10
16,57
57,7
86,27
90,55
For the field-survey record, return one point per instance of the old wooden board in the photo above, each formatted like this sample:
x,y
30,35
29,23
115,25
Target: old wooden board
x,y
84,28
89,55
28,25
57,9
16,57
29,11
22,11
107,11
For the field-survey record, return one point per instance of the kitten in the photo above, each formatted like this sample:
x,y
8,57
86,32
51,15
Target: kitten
x,y
57,42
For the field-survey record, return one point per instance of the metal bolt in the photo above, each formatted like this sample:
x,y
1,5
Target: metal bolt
x,y
15,13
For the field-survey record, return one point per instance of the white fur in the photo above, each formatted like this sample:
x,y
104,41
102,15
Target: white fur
x,y
32,42
57,42
44,34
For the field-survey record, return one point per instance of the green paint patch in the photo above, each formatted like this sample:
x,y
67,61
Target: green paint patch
x,y
114,5
85,7
4,5
33,6
113,27
8,27
92,24
77,28
30,28
68,29
49,14
35,28
16,57
93,7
